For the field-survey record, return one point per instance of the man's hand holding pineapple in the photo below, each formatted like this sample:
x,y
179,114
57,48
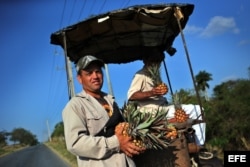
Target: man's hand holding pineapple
x,y
126,142
160,90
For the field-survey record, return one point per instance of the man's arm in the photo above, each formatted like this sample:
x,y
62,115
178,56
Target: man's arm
x,y
139,95
140,89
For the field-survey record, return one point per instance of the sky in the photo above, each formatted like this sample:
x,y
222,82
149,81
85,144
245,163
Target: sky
x,y
33,77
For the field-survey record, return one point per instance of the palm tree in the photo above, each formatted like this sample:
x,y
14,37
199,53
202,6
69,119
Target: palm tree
x,y
202,79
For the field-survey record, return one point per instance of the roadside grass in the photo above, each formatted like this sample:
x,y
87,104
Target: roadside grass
x,y
10,149
59,147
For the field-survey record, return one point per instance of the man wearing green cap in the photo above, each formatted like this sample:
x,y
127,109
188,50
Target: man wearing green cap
x,y
90,122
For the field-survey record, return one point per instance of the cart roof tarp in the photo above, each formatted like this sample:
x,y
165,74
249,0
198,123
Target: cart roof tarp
x,y
124,35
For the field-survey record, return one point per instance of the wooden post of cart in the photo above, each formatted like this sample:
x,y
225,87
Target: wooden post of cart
x,y
181,152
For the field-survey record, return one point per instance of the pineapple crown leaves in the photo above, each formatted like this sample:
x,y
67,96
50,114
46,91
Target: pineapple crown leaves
x,y
130,112
149,127
157,142
150,119
177,100
143,120
155,74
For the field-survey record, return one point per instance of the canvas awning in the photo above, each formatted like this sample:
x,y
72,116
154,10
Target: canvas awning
x,y
125,35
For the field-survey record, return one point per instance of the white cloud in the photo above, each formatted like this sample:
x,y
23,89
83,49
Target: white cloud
x,y
219,25
244,42
193,29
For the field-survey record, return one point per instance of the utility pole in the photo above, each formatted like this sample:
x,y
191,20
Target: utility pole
x,y
108,80
47,122
71,89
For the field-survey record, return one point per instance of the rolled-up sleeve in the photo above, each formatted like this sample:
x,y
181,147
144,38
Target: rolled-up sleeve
x,y
136,85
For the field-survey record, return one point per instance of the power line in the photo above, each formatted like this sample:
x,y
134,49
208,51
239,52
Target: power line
x,y
64,5
126,3
81,10
102,6
50,83
71,13
90,11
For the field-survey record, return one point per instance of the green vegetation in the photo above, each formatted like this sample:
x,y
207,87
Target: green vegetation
x,y
58,131
226,112
227,116
18,136
21,137
202,79
3,137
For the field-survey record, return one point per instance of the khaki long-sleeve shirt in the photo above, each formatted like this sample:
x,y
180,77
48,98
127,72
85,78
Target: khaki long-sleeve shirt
x,y
83,118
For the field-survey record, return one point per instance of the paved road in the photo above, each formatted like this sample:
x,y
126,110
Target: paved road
x,y
35,156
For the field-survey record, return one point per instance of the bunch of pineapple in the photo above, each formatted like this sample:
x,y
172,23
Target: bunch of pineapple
x,y
155,75
180,115
148,129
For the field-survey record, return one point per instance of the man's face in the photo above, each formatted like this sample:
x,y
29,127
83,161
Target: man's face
x,y
91,78
153,63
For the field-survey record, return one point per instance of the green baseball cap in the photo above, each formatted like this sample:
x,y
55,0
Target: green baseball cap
x,y
85,61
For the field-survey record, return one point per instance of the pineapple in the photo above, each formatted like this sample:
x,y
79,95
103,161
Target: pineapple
x,y
108,109
172,132
179,115
155,75
148,130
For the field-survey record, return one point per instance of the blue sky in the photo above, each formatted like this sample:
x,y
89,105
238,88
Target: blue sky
x,y
33,78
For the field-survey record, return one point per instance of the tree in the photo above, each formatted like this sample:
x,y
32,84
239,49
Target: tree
x,y
202,79
185,97
23,136
3,138
59,130
228,119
